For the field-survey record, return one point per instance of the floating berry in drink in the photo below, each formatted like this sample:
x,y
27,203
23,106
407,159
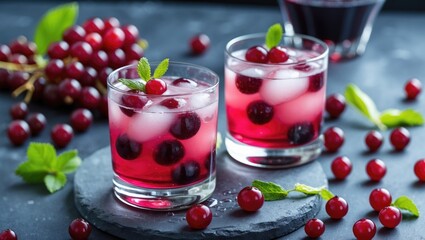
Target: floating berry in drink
x,y
277,54
256,54
259,112
301,133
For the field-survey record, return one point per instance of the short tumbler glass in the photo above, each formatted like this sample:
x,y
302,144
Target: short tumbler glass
x,y
345,25
275,111
163,146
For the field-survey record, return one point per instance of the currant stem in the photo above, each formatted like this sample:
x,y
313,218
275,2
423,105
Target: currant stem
x,y
28,86
19,67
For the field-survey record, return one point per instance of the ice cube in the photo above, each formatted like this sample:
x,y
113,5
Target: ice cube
x,y
207,113
253,72
150,124
199,100
285,86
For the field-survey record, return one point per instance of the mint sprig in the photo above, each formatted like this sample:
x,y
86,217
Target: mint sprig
x,y
387,119
405,203
43,165
144,69
274,35
273,191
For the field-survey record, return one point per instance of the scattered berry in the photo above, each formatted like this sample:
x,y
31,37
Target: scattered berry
x,y
169,152
419,169
18,132
390,217
62,135
79,229
301,133
248,85
127,148
277,54
374,140
256,54
400,138
8,234
314,228
380,198
341,167
156,86
376,169
259,112
186,172
250,199
37,122
364,229
19,110
199,43
186,125
199,216
334,138
81,119
412,88
336,207
335,105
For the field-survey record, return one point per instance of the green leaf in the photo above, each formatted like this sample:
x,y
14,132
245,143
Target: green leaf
x,y
396,118
274,35
326,194
162,68
133,84
30,172
42,154
52,25
55,182
364,104
68,161
271,191
407,204
144,69
307,189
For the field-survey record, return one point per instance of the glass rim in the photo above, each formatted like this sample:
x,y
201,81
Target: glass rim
x,y
322,55
334,3
174,63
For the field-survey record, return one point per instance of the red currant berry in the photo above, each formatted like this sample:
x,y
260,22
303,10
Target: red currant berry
x,y
8,234
69,90
134,52
19,110
94,25
74,70
17,79
199,43
379,198
61,135
81,119
390,217
131,35
199,216
4,53
74,34
113,39
111,22
314,228
376,169
412,88
89,98
400,138
374,140
54,70
18,132
116,58
37,122
341,167
277,54
79,229
250,199
419,169
337,207
334,138
156,86
95,41
82,51
58,50
364,229
103,106
256,54
335,105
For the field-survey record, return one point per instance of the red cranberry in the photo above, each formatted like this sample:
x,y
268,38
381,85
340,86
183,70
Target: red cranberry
x,y
400,138
18,132
379,198
170,103
186,125
199,43
335,105
19,110
156,86
390,217
79,229
132,103
412,88
127,148
250,199
199,216
259,112
277,54
314,228
301,133
37,122
256,54
8,234
334,138
248,85
62,135
81,119
419,169
376,169
341,167
364,229
336,207
374,140
169,152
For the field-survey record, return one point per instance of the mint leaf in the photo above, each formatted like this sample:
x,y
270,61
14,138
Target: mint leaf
x,y
30,172
53,24
144,69
162,68
55,182
41,154
68,161
271,191
274,35
133,84
307,189
396,118
364,104
407,204
326,194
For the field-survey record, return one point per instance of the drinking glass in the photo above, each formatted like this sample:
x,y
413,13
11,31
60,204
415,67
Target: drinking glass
x,y
275,111
163,146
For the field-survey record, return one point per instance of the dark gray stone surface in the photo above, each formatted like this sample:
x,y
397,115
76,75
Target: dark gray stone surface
x,y
96,202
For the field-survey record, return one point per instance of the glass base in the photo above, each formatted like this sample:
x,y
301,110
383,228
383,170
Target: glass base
x,y
273,157
163,199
